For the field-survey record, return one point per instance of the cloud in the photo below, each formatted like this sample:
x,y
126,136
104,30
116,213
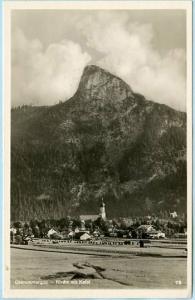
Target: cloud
x,y
43,77
109,39
127,51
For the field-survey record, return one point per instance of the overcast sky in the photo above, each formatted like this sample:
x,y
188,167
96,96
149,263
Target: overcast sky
x,y
145,48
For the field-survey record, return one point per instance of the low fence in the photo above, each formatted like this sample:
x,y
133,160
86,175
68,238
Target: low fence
x,y
90,242
110,242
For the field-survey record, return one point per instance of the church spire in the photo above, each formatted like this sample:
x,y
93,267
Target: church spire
x,y
103,210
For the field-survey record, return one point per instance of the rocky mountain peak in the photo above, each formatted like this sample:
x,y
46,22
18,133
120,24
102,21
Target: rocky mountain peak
x,y
100,84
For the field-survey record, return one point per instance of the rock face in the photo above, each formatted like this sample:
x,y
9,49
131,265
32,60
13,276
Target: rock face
x,y
98,84
106,141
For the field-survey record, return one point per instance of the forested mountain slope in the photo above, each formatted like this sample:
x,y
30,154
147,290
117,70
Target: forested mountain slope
x,y
106,141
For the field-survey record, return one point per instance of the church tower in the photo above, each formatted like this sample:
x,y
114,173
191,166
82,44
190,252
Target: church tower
x,y
102,211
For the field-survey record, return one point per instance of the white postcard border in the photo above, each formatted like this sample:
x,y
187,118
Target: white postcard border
x,y
90,293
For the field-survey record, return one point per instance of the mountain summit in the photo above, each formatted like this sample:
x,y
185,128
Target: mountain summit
x,y
106,141
100,84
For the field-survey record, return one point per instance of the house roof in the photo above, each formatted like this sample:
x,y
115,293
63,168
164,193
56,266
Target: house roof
x,y
146,227
81,233
89,217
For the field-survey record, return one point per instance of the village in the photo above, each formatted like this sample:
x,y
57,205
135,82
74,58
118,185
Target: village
x,y
97,229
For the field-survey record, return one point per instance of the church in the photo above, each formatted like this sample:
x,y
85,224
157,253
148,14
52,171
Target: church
x,y
102,214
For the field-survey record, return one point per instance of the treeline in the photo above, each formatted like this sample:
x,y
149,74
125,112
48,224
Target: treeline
x,y
39,229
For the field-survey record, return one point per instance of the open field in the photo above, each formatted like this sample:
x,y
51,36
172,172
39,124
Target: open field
x,y
113,249
53,268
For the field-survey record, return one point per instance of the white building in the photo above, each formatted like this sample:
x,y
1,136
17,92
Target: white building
x,y
157,235
85,236
103,211
151,232
50,232
173,215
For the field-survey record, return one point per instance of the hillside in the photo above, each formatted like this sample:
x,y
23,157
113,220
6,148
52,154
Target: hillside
x,y
106,141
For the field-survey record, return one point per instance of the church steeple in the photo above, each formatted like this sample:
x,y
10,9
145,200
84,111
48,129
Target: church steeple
x,y
103,210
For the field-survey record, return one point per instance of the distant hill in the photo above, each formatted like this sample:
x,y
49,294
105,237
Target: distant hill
x,y
106,141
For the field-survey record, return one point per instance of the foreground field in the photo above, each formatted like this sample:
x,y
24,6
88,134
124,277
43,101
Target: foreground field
x,y
42,269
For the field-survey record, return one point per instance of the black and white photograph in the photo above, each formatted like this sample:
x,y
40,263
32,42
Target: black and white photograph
x,y
98,145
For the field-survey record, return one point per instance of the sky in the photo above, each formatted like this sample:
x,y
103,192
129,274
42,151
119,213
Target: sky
x,y
50,48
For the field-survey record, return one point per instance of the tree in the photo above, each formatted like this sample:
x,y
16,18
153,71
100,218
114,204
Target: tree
x,y
17,225
76,223
26,229
43,228
89,224
103,226
36,231
63,223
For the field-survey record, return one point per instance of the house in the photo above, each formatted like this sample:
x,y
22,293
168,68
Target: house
x,y
96,233
180,235
157,235
150,232
85,237
82,236
173,215
145,228
51,232
71,234
76,230
113,234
